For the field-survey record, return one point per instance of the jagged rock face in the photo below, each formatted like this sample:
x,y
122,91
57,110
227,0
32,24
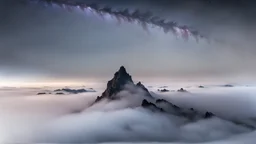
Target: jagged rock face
x,y
145,103
140,85
115,85
121,78
151,106
167,107
158,101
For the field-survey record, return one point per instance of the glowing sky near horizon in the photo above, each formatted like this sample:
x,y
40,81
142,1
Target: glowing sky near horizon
x,y
45,44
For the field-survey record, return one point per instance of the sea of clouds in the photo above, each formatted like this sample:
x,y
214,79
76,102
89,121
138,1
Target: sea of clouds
x,y
26,117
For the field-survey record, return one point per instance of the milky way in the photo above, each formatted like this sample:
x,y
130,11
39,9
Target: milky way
x,y
144,19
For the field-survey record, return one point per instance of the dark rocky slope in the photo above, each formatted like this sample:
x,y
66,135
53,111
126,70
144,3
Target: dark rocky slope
x,y
117,84
121,78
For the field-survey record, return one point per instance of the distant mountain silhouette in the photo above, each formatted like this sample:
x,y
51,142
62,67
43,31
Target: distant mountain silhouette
x,y
228,85
41,93
66,91
201,86
163,90
182,90
73,91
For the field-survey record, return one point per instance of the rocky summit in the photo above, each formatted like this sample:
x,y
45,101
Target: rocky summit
x,y
117,84
121,78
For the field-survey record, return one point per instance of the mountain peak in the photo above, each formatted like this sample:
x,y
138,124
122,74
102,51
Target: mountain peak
x,y
121,72
117,83
122,69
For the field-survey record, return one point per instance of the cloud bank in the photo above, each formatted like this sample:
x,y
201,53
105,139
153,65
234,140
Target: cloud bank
x,y
71,119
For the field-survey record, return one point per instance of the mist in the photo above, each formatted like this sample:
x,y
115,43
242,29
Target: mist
x,y
26,117
44,47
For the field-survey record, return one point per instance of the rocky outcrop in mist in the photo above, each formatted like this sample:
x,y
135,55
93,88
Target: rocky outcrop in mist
x,y
151,106
182,90
73,91
140,85
163,90
117,84
190,114
121,78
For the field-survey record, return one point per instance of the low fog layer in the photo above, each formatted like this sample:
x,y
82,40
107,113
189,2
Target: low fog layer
x,y
26,117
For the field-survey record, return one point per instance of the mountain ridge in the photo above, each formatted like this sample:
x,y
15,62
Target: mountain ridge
x,y
122,78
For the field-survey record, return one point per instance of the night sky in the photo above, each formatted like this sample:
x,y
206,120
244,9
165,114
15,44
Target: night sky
x,y
39,43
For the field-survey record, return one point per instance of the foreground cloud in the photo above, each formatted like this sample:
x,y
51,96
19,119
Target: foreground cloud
x,y
134,125
120,118
108,121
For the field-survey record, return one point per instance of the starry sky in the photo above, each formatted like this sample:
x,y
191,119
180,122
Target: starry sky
x,y
47,44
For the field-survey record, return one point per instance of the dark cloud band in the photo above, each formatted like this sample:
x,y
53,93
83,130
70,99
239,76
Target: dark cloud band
x,y
145,19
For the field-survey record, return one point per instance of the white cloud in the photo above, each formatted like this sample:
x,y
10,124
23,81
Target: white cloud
x,y
50,119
